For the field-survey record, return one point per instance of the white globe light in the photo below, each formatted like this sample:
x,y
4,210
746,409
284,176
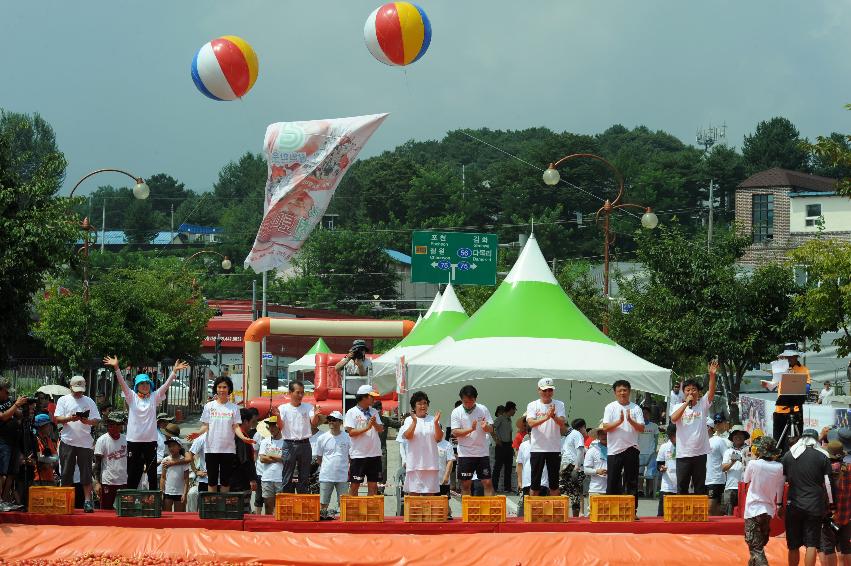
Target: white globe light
x,y
226,264
551,176
141,190
649,220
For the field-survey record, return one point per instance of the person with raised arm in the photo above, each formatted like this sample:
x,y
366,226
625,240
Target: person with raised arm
x,y
693,434
422,432
142,402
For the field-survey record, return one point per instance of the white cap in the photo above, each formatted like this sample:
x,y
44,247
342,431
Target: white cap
x,y
710,422
336,415
367,390
546,383
78,384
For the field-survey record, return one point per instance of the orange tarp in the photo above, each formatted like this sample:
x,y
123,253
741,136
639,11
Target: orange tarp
x,y
26,542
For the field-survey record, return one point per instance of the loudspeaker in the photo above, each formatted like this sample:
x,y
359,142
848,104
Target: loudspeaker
x,y
272,382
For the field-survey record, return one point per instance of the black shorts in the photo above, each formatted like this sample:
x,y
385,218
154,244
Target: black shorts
x,y
537,460
220,467
802,528
831,540
715,491
172,497
467,466
365,469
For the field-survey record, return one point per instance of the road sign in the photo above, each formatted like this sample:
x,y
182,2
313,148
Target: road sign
x,y
626,308
267,355
469,259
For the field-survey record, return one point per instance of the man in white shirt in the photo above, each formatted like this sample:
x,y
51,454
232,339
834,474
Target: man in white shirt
x,y
693,435
765,493
733,465
471,423
675,398
572,459
715,480
110,471
623,421
363,425
546,419
77,413
825,394
297,420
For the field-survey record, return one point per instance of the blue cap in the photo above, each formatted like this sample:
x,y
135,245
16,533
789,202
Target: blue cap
x,y
142,378
42,419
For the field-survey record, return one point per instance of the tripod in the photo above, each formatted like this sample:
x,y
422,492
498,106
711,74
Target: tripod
x,y
792,429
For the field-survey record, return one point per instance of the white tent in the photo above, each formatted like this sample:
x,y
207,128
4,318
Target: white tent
x,y
308,361
530,329
445,315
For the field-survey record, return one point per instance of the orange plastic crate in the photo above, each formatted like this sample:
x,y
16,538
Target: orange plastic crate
x,y
296,507
426,508
686,508
612,508
539,509
366,509
46,500
489,509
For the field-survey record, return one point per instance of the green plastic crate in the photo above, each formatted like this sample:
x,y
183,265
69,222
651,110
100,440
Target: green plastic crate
x,y
139,503
230,505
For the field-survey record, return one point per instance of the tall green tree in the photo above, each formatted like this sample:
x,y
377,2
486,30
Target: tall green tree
x,y
36,226
775,143
832,158
142,223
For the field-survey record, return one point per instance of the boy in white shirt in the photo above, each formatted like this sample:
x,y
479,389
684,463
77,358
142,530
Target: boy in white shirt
x,y
471,423
174,481
715,478
733,465
363,425
692,434
623,421
595,464
445,463
333,449
271,457
572,459
110,471
666,464
765,493
546,418
524,473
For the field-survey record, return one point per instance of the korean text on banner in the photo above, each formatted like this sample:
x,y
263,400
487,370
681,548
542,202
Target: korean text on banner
x,y
306,161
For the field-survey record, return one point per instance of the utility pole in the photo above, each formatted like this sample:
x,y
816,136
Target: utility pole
x,y
103,225
707,138
172,224
463,182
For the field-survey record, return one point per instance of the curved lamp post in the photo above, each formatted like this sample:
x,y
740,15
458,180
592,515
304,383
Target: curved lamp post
x,y
141,191
226,262
648,220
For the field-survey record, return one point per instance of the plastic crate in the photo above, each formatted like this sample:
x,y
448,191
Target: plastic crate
x,y
686,508
612,508
426,508
229,505
139,503
296,507
367,509
490,509
46,500
539,509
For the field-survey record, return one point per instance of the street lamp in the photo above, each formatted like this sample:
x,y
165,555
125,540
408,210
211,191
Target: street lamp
x,y
226,262
649,220
141,191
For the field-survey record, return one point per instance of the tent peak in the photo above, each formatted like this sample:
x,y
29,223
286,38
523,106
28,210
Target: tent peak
x,y
434,304
449,302
531,265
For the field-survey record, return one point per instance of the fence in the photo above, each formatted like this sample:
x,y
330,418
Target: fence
x,y
28,374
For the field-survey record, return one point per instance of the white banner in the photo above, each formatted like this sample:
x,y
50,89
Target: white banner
x,y
758,413
306,161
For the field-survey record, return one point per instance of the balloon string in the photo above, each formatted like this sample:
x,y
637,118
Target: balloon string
x,y
407,85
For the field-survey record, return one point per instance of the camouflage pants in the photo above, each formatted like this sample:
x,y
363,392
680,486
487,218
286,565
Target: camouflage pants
x,y
756,536
571,484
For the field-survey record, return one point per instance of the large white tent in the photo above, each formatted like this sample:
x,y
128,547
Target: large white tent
x,y
445,315
308,361
530,329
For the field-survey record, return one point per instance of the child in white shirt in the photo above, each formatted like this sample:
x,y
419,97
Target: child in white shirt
x,y
666,464
174,481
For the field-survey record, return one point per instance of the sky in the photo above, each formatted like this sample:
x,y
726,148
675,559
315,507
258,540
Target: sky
x,y
112,77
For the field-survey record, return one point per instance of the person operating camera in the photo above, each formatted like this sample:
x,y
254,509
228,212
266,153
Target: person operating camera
x,y
355,363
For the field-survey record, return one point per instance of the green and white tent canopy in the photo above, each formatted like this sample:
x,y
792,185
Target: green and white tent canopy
x,y
527,330
308,361
445,315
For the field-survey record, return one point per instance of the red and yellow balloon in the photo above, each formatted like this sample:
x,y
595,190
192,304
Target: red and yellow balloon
x,y
225,68
397,33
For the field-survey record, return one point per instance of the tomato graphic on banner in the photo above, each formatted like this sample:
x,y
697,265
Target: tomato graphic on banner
x,y
306,161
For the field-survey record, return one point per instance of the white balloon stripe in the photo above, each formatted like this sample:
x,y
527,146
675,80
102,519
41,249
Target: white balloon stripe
x,y
211,74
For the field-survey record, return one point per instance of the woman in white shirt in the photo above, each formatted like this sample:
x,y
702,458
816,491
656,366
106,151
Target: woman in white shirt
x,y
141,436
220,420
422,433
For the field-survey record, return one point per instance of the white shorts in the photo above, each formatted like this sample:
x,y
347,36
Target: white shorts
x,y
422,481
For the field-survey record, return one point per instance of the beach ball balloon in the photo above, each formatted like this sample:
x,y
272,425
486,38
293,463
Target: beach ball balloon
x,y
397,33
225,68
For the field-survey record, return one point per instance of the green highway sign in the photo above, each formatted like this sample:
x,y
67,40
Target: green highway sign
x,y
468,259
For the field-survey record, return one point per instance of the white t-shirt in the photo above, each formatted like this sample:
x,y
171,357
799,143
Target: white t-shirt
x,y
692,433
546,437
113,469
594,460
674,400
270,447
142,413
174,478
258,465
737,470
421,447
445,454
625,435
368,444
475,444
668,454
572,448
351,369
160,451
334,451
198,449
221,418
75,433
403,449
647,440
824,394
524,458
296,421
714,474
767,480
